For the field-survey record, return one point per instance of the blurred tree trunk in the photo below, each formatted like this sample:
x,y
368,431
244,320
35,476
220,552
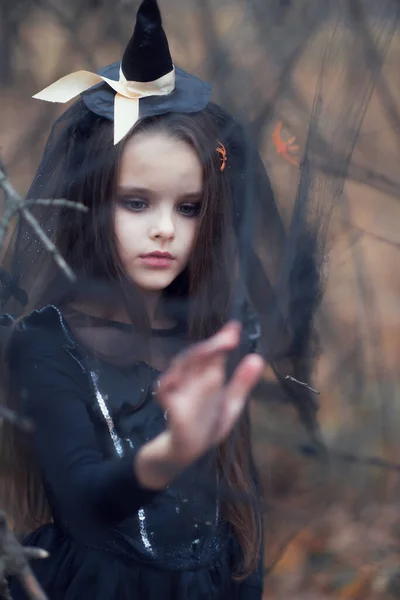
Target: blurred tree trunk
x,y
8,30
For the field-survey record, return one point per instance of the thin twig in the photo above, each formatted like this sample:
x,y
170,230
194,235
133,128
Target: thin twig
x,y
56,202
305,385
14,204
331,454
47,243
14,562
372,235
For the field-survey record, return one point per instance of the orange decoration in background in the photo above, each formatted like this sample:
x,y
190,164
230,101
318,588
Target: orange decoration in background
x,y
285,148
222,151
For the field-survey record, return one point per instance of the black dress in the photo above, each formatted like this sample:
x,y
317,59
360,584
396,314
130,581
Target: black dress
x,y
110,539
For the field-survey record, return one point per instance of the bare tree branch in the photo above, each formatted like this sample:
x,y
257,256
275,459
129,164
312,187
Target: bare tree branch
x,y
47,243
14,204
13,556
56,202
14,562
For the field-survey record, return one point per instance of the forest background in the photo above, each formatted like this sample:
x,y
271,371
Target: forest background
x,y
340,540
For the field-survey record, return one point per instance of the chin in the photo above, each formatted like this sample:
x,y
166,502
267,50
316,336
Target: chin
x,y
156,283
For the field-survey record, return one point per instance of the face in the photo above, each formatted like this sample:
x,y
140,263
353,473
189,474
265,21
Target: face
x,y
157,210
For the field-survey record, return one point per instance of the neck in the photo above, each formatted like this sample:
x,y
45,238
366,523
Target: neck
x,y
151,302
157,317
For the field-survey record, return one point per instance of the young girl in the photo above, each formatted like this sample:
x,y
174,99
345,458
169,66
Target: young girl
x,y
139,480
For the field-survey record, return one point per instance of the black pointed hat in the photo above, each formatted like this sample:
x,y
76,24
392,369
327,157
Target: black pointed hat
x,y
143,84
147,56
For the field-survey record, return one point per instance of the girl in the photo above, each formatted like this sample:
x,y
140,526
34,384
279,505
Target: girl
x,y
139,479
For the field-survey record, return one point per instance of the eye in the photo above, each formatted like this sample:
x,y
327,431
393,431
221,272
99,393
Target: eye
x,y
190,209
133,204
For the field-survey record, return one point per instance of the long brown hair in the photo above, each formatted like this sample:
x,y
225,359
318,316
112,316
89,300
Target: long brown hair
x,y
87,241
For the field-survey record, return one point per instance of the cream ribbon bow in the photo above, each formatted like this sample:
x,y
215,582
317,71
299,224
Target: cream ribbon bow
x,y
126,102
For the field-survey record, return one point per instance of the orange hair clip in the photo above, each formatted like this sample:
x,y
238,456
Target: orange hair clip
x,y
222,151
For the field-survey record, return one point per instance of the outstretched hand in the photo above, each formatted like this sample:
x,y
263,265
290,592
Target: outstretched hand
x,y
202,408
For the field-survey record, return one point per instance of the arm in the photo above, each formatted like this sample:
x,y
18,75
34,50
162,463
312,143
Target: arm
x,y
52,389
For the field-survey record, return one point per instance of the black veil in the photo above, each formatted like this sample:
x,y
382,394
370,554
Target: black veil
x,y
323,74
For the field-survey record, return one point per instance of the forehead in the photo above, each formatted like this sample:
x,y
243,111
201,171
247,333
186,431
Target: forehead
x,y
161,163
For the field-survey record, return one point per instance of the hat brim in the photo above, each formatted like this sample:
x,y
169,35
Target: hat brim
x,y
190,95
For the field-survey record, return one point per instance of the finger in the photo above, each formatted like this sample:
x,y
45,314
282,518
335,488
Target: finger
x,y
195,356
31,585
225,339
202,378
35,553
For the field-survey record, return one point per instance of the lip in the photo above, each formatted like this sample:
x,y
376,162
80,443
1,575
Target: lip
x,y
160,260
158,254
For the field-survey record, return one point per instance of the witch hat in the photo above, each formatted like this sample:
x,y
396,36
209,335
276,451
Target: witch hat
x,y
145,76
147,56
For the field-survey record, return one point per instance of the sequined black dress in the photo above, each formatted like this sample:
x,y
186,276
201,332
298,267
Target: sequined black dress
x,y
110,539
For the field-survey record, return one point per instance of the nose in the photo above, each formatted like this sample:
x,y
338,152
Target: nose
x,y
163,226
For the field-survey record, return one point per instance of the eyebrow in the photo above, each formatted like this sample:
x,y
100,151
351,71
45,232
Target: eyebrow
x,y
192,196
133,190
195,196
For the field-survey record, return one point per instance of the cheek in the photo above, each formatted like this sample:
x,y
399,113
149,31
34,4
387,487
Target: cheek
x,y
126,232
189,235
